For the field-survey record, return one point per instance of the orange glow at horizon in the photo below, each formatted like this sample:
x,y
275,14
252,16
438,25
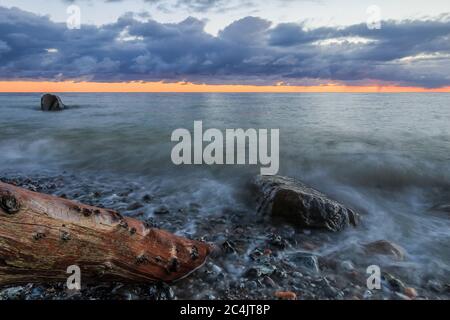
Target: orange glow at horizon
x,y
70,86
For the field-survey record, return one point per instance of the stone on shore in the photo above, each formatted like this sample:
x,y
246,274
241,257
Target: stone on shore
x,y
306,207
50,102
305,260
411,293
286,295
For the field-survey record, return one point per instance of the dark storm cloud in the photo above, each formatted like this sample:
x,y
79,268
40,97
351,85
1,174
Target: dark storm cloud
x,y
250,50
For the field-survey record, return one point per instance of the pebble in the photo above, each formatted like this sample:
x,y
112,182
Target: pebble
x,y
394,283
347,265
410,292
134,206
277,241
268,281
260,271
216,269
305,260
402,296
252,285
162,210
435,286
36,293
286,295
147,198
367,294
162,292
229,247
13,293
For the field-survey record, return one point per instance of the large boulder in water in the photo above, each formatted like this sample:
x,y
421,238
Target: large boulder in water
x,y
306,207
50,102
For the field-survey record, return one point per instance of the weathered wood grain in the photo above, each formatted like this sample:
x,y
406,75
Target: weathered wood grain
x,y
42,235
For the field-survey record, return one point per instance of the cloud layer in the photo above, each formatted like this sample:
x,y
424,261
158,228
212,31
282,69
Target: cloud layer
x,y
248,51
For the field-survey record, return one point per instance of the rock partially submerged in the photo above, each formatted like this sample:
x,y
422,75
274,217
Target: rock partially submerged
x,y
50,102
305,260
304,206
385,248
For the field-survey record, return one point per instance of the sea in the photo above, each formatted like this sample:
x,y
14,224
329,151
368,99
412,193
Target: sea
x,y
385,155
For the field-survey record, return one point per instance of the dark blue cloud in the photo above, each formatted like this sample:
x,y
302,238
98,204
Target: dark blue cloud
x,y
250,50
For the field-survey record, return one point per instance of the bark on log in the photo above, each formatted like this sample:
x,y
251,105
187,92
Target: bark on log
x,y
42,235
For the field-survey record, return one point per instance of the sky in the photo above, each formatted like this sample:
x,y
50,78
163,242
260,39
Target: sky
x,y
225,45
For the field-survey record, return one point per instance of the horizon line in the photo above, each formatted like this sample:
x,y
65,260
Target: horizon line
x,y
189,87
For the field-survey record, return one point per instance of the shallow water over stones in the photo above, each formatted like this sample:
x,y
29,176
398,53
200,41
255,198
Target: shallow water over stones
x,y
255,258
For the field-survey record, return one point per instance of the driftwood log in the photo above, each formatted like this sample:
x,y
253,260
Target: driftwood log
x,y
42,235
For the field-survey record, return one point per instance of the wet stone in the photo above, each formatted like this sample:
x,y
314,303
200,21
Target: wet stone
x,y
395,283
162,210
277,241
384,247
134,206
260,271
229,247
268,281
256,254
13,293
291,200
305,260
147,198
162,291
435,286
347,265
252,285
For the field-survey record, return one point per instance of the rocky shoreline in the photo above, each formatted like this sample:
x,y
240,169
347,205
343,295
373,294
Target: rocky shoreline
x,y
262,255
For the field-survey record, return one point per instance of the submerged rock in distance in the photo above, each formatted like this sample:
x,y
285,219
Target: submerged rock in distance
x,y
306,207
50,102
